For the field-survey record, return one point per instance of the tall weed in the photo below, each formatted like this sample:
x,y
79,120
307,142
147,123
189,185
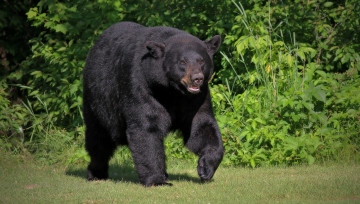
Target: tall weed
x,y
279,108
22,130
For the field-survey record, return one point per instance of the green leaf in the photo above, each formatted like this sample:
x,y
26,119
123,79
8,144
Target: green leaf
x,y
310,159
301,55
328,4
308,106
32,13
252,79
296,118
252,163
345,58
37,74
253,124
61,49
319,94
73,89
260,121
61,28
321,73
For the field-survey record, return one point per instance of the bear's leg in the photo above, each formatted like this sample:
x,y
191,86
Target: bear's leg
x,y
149,157
100,148
204,139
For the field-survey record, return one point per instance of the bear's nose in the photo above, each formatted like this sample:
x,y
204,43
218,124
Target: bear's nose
x,y
197,79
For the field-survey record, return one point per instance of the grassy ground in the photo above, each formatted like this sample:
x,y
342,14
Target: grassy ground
x,y
22,181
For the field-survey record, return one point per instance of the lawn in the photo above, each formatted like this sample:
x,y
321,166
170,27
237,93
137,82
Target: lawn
x,y
22,180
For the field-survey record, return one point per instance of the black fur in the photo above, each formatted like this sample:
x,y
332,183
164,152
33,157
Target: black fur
x,y
139,84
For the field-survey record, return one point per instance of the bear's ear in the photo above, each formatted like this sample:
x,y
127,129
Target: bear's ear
x,y
155,49
213,44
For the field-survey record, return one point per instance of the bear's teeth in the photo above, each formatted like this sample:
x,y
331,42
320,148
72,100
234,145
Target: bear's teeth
x,y
194,88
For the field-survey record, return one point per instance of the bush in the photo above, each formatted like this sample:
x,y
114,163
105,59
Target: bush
x,y
282,107
285,89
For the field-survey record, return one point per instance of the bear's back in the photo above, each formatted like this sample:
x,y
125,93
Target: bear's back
x,y
130,32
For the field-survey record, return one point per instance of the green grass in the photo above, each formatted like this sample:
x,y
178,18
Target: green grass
x,y
22,180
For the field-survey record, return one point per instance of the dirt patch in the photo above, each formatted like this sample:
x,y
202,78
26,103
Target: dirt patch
x,y
33,186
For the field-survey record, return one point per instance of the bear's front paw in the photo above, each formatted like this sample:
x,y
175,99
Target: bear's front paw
x,y
205,170
205,173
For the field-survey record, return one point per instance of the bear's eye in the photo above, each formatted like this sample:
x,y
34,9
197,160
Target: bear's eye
x,y
200,61
183,62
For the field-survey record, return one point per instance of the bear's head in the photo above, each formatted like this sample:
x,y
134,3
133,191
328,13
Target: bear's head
x,y
186,60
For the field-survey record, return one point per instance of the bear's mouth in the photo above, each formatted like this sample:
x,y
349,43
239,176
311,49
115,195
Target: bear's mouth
x,y
190,87
193,89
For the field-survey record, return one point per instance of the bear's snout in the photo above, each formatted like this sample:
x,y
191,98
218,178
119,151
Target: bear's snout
x,y
193,79
197,79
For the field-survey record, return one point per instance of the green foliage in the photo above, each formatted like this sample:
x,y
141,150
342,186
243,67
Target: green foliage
x,y
200,18
22,130
174,148
13,118
283,108
59,53
14,45
285,89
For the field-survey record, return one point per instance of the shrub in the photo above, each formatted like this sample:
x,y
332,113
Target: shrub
x,y
284,92
281,108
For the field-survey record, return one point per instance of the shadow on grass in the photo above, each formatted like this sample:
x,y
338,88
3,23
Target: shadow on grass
x,y
127,173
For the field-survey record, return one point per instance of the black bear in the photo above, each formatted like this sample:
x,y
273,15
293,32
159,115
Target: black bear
x,y
139,84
